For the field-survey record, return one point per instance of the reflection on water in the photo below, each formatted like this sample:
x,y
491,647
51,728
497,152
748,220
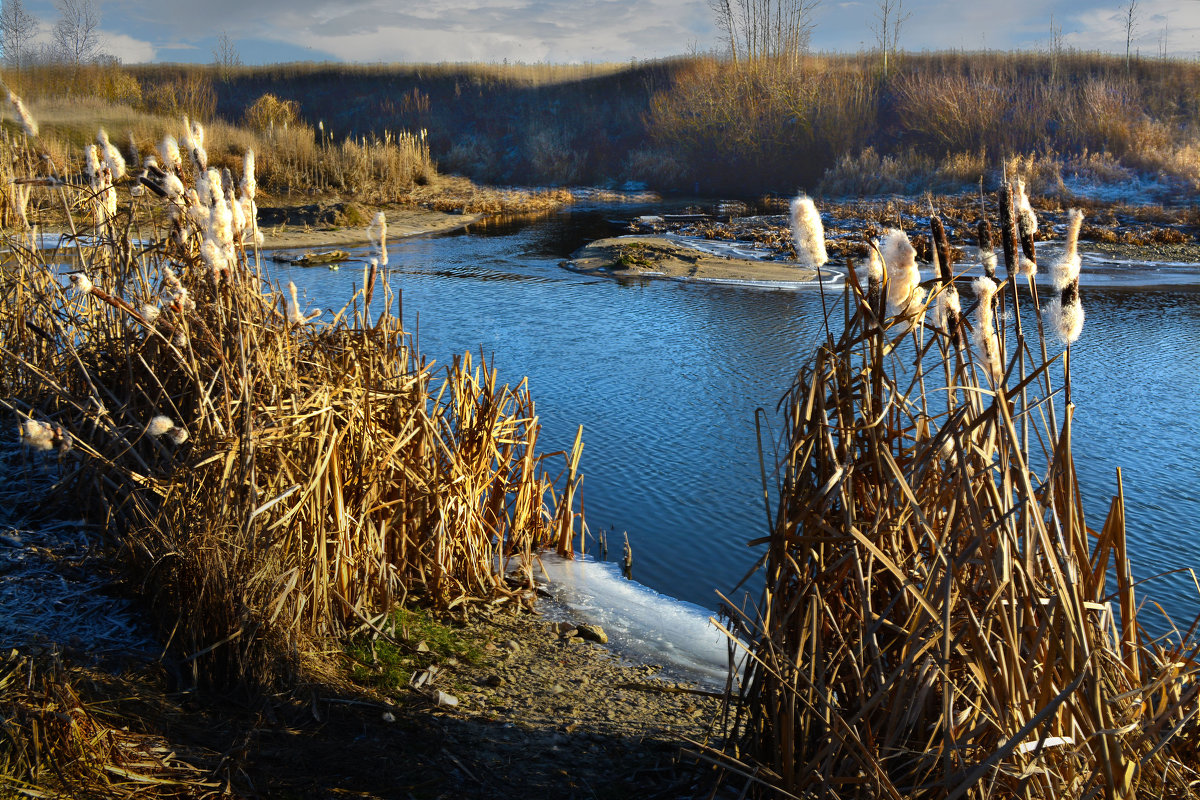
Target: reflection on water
x,y
666,376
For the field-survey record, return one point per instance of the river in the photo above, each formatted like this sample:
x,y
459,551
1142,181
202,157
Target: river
x,y
665,377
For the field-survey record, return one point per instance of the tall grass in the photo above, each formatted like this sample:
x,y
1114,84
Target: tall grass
x,y
272,479
939,619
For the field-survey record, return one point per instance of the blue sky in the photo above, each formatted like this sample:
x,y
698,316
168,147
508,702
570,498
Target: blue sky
x,y
369,31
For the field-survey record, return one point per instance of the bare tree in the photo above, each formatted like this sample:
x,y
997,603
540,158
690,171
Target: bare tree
x,y
17,29
765,28
77,33
1130,12
1056,49
889,18
226,56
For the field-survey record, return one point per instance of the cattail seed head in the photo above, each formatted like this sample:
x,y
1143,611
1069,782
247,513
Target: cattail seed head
x,y
948,308
1026,219
1066,269
987,345
1066,317
149,312
28,124
169,151
81,283
903,276
294,315
808,234
249,182
159,425
112,155
377,233
173,187
91,165
36,435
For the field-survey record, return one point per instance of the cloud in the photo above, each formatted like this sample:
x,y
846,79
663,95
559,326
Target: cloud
x,y
127,48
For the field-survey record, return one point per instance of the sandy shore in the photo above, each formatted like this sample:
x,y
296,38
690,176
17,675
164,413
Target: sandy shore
x,y
402,222
654,256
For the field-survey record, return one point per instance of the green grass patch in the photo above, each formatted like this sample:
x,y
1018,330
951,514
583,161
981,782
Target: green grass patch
x,y
421,641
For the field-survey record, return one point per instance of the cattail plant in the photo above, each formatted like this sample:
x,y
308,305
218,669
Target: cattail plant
x,y
808,234
939,620
321,473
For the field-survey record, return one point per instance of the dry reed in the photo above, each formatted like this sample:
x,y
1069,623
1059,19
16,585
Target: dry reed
x,y
308,475
939,621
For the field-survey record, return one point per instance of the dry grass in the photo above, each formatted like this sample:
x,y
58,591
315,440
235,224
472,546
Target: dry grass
x,y
939,620
326,473
51,739
292,159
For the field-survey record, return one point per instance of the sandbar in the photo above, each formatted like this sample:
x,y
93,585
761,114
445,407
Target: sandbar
x,y
663,257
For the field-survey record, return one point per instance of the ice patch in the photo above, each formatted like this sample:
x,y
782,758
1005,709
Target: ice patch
x,y
641,623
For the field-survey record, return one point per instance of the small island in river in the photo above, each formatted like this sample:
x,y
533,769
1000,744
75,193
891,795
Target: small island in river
x,y
657,256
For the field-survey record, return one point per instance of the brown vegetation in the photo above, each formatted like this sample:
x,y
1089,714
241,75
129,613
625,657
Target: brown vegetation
x,y
273,481
939,620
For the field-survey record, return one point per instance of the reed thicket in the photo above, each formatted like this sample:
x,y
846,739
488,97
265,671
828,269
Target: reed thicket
x,y
272,479
940,620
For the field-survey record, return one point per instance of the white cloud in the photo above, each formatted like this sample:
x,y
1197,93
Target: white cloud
x,y
127,48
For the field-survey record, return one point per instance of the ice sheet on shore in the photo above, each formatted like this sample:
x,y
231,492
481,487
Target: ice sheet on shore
x,y
642,624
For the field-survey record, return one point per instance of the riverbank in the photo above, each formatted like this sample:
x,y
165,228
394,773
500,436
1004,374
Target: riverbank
x,y
503,704
316,226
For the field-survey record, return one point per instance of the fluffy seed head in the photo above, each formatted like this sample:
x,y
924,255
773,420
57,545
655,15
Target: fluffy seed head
x,y
112,155
1066,269
987,346
81,283
1026,267
159,425
36,435
904,277
28,124
294,314
948,307
1025,216
173,187
91,165
249,182
169,151
989,264
1067,319
808,235
377,233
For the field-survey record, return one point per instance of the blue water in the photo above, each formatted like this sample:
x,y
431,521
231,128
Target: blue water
x,y
665,377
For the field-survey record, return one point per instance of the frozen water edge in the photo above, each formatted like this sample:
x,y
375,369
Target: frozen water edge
x,y
642,624
49,595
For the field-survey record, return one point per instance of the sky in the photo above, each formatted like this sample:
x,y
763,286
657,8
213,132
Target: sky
x,y
572,31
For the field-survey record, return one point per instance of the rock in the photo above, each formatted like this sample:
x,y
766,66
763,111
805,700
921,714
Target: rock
x,y
563,629
493,681
557,688
422,647
513,646
389,716
593,633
